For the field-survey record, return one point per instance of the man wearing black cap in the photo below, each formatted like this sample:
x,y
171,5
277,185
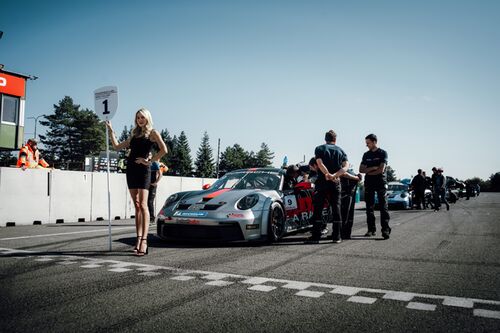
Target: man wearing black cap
x,y
374,164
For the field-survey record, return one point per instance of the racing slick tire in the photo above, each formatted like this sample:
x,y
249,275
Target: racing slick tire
x,y
276,223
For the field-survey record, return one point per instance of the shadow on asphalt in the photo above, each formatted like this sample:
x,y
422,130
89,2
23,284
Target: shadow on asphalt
x,y
156,242
67,253
84,225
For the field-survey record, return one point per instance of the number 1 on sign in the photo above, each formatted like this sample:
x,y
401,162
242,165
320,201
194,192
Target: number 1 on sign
x,y
105,102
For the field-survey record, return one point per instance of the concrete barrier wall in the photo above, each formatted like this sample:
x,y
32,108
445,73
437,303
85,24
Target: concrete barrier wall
x,y
70,187
24,196
51,195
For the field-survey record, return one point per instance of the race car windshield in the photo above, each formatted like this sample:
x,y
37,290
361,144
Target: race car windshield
x,y
397,187
248,180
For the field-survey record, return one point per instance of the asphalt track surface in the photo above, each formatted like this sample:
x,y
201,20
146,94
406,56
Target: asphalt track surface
x,y
439,272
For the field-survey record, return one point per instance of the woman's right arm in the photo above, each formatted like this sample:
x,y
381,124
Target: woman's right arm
x,y
116,145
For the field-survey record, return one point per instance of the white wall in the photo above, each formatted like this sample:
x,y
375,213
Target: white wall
x,y
49,195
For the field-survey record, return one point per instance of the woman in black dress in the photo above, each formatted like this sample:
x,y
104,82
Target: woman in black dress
x,y
138,170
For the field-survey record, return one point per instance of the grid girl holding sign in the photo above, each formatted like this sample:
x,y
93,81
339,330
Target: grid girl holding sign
x,y
141,142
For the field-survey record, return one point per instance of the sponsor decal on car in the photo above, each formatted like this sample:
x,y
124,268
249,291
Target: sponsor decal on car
x,y
235,215
190,214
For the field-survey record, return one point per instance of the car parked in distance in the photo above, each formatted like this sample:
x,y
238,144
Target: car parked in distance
x,y
398,196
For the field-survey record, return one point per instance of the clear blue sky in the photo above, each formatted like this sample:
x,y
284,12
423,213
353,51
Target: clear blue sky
x,y
422,75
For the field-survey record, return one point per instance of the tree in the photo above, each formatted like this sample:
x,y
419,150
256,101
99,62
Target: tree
x,y
233,158
264,156
7,158
124,136
168,158
250,160
72,135
204,159
495,182
183,156
391,174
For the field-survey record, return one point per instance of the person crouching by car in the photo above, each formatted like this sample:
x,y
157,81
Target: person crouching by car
x,y
291,174
349,184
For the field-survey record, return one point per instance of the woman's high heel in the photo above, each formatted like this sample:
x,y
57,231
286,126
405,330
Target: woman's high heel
x,y
142,253
136,248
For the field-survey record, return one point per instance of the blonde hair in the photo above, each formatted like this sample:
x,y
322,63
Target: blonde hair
x,y
146,130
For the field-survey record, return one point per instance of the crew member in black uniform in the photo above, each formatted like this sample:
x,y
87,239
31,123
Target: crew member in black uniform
x,y
418,184
349,184
374,164
138,170
332,163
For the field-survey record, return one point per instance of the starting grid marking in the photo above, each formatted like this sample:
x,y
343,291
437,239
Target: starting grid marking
x,y
263,284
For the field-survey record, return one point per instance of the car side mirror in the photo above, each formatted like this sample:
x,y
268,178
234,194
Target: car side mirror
x,y
206,186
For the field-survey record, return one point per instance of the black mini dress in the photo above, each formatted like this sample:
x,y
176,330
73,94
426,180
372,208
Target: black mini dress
x,y
139,175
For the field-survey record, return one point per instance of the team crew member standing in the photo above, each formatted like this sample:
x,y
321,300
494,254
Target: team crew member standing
x,y
156,174
332,163
374,164
349,184
138,170
418,184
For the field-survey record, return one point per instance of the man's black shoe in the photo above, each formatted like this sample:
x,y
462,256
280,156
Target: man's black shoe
x,y
386,233
370,233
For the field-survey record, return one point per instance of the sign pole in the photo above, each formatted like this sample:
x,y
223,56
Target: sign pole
x,y
109,190
106,103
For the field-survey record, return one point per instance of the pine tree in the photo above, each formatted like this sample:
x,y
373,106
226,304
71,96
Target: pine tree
x,y
391,174
264,156
7,158
233,158
169,142
204,161
183,155
124,136
72,134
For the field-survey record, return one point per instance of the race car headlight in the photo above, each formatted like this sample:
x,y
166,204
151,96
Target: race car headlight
x,y
404,195
171,199
248,202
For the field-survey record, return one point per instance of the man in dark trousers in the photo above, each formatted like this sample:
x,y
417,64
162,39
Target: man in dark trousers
x,y
374,165
439,189
332,163
418,185
349,183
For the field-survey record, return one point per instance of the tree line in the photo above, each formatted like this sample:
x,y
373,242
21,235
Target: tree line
x,y
75,133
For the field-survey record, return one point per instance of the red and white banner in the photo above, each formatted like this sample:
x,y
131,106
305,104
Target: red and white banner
x,y
12,85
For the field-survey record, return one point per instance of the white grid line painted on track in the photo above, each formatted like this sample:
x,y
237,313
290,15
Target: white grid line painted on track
x,y
256,283
421,306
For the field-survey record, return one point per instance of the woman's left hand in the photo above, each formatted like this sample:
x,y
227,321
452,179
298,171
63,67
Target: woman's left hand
x,y
143,161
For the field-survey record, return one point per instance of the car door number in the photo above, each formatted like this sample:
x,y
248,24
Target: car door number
x,y
290,202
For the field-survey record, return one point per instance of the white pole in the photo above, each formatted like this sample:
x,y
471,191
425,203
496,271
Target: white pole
x,y
109,192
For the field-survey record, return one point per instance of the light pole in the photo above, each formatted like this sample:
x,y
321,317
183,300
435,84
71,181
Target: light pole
x,y
36,121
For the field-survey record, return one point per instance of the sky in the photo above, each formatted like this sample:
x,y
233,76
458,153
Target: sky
x,y
424,76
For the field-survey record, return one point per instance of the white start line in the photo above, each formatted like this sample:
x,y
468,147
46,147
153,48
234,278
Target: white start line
x,y
414,301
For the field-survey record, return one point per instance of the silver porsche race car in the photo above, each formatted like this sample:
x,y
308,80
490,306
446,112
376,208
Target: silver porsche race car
x,y
243,205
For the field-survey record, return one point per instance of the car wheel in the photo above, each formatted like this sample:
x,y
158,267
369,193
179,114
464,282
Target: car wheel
x,y
276,224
